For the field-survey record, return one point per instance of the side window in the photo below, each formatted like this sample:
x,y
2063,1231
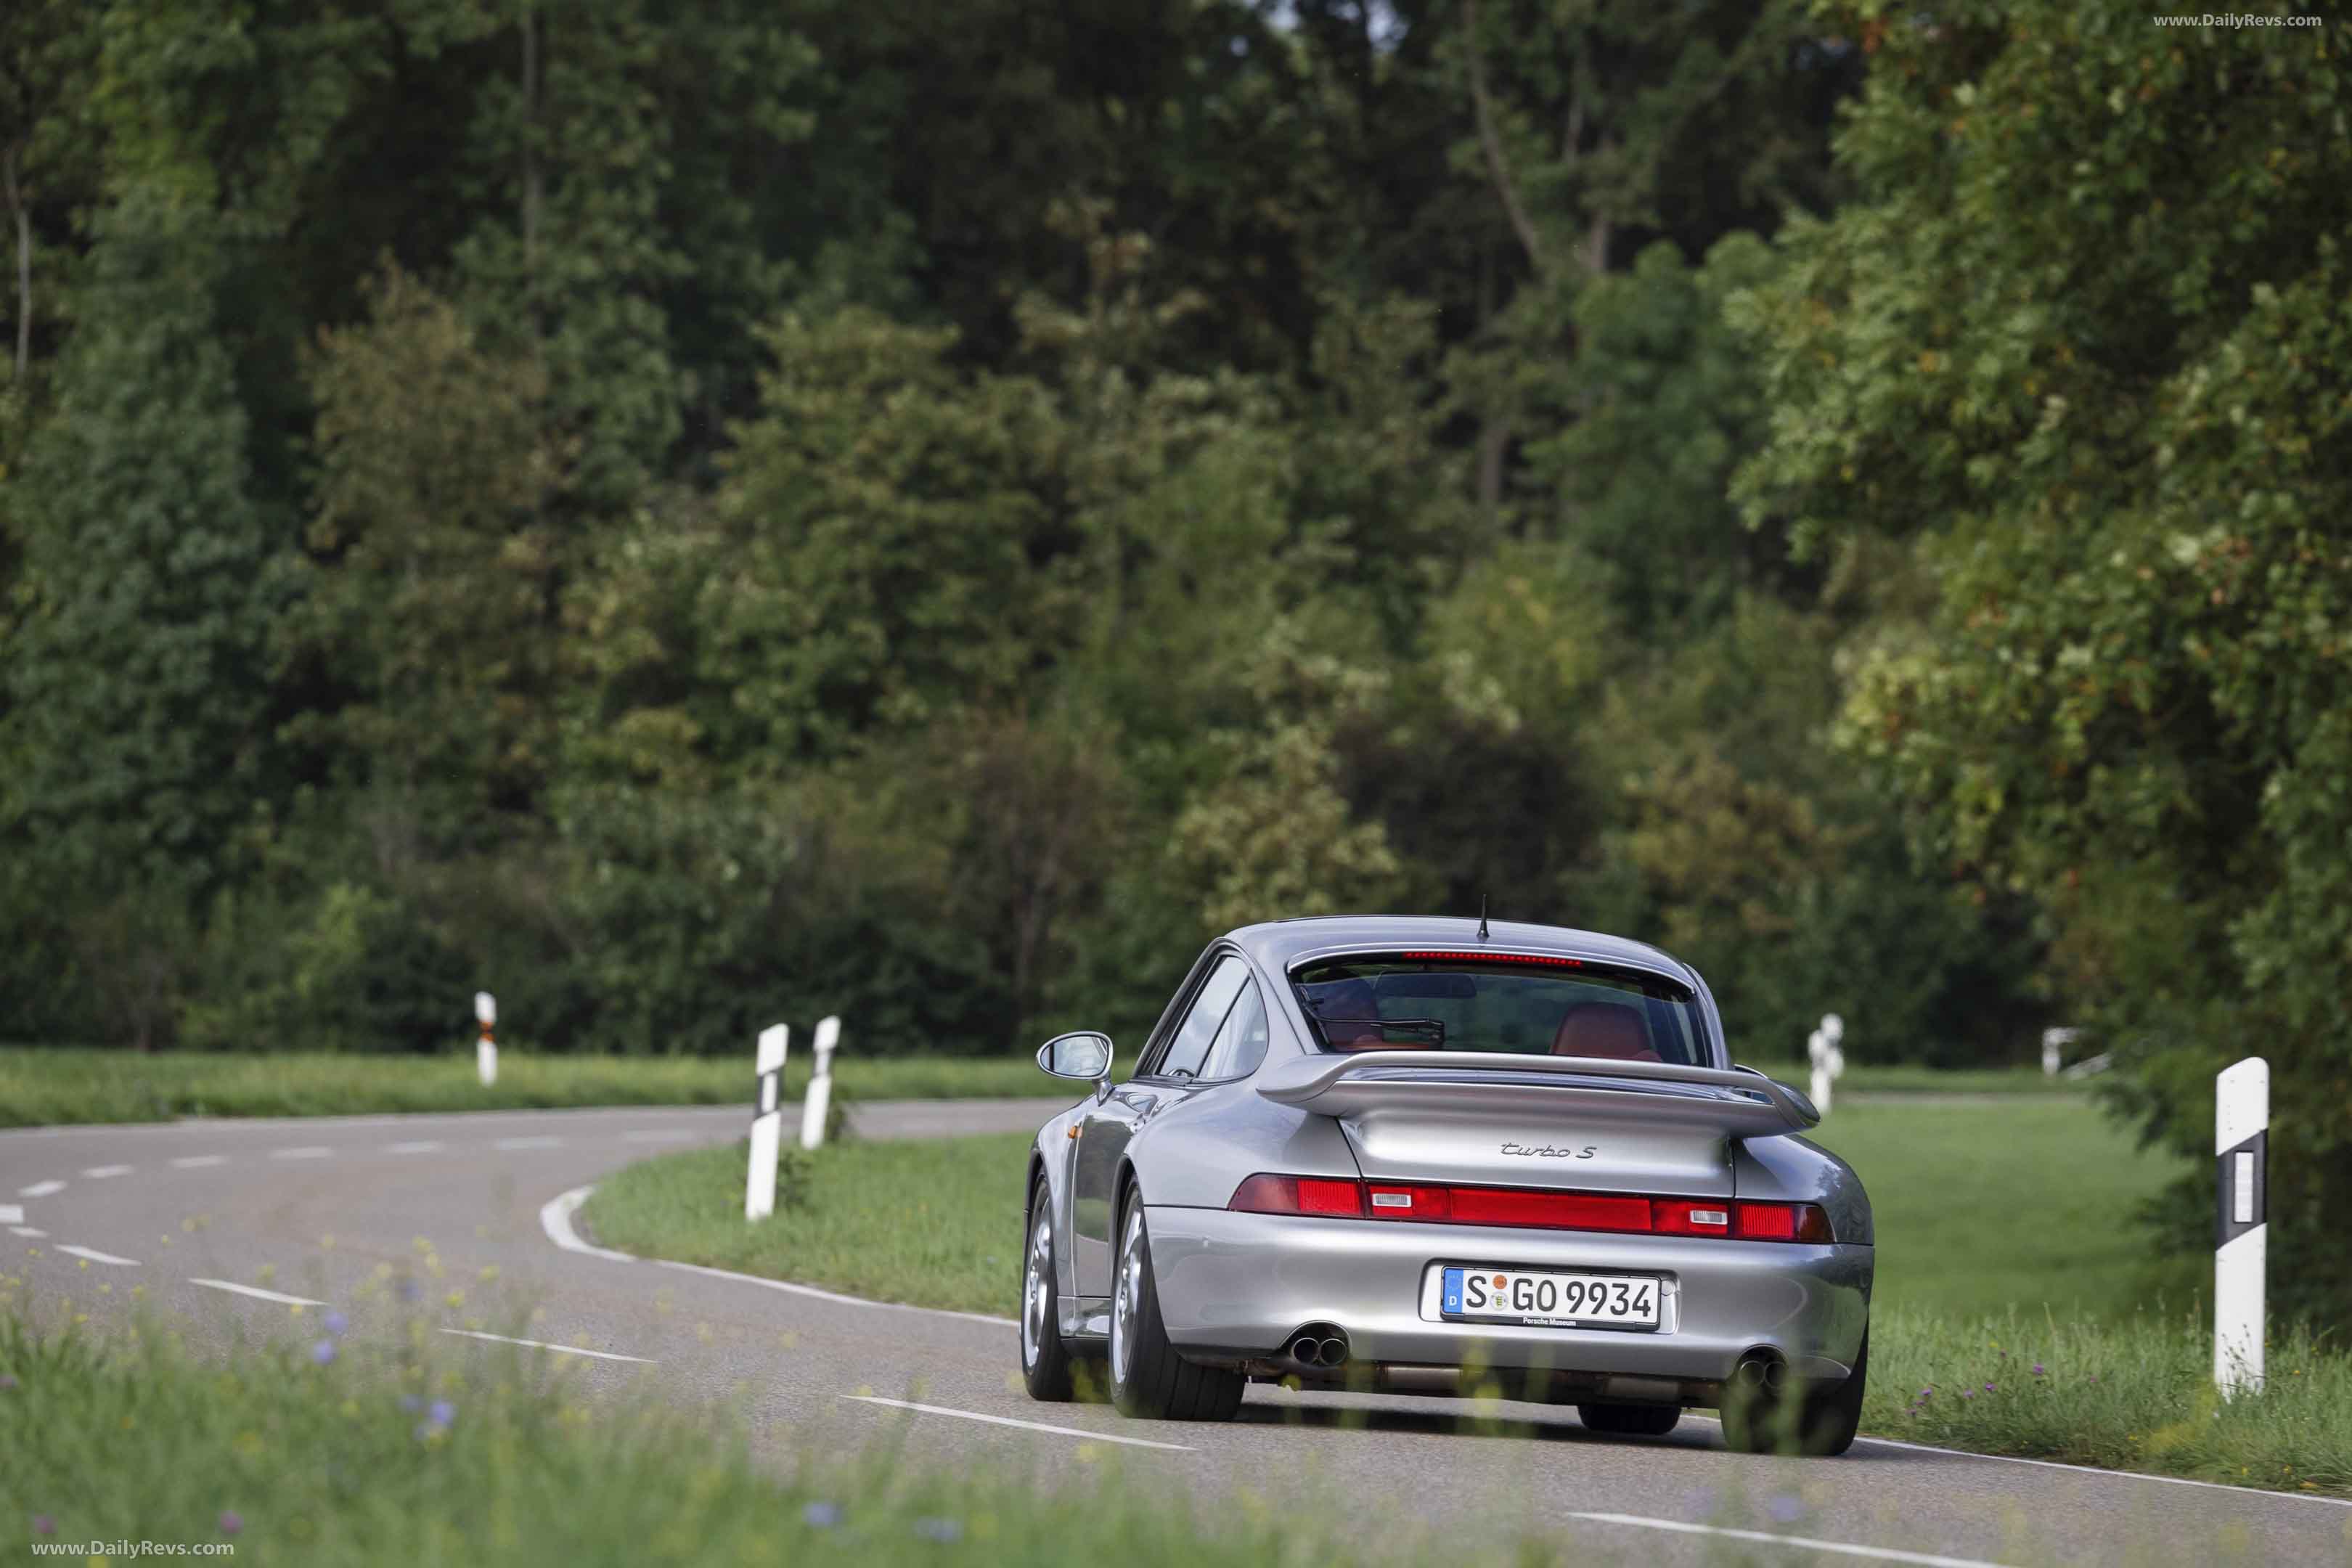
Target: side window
x,y
1188,1047
1241,1044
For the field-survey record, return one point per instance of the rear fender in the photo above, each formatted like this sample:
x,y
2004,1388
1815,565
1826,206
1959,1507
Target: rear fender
x,y
1800,1171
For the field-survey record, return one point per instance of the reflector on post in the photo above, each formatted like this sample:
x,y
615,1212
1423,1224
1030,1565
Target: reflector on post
x,y
485,1049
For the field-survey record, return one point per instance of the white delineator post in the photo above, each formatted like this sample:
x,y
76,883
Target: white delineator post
x,y
814,1103
2242,1120
485,1049
1829,1060
2053,1048
767,1123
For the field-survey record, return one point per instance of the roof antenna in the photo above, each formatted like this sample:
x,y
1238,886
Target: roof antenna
x,y
1482,917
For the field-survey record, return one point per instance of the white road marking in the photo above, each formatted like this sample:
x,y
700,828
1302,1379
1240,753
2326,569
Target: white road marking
x,y
1024,1425
656,1135
12,1213
27,1230
414,1146
2078,1469
95,1256
257,1294
1808,1543
555,1219
198,1161
99,1174
543,1345
40,1189
2095,1470
528,1143
307,1151
810,1291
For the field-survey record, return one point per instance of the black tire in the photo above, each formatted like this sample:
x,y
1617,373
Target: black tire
x,y
1044,1359
1825,1419
1147,1378
1631,1420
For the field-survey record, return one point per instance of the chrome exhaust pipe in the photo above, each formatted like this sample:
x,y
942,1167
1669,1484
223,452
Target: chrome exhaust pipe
x,y
1306,1350
1332,1351
1761,1371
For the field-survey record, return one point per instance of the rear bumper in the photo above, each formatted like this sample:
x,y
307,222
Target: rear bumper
x,y
1238,1285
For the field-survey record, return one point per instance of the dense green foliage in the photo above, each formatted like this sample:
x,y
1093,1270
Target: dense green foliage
x,y
685,515
2081,354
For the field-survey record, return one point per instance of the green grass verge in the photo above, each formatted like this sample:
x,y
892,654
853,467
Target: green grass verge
x,y
935,1222
41,1085
2004,1243
133,1438
2025,1204
46,1085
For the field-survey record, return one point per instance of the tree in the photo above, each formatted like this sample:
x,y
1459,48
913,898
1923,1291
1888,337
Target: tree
x,y
432,597
2084,342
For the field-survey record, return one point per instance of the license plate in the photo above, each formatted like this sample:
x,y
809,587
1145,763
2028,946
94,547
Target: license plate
x,y
1549,1299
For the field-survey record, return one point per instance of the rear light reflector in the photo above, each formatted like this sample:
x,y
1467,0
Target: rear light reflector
x,y
1781,1222
1430,1202
1299,1195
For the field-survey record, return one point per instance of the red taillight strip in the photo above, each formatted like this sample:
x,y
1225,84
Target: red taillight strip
x,y
1431,1202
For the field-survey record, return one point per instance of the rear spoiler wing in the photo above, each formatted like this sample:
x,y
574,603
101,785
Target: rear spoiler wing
x,y
1736,1103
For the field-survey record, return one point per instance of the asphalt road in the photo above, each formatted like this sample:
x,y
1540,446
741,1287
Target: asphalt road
x,y
225,1224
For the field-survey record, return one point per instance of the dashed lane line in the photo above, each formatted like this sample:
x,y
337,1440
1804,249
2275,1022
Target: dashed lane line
x,y
416,1146
657,1135
12,1213
541,1143
257,1292
40,1189
27,1230
1091,1437
95,1256
304,1151
1795,1542
543,1345
101,1172
198,1161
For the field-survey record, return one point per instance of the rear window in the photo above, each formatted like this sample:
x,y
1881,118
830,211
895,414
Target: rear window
x,y
1547,1006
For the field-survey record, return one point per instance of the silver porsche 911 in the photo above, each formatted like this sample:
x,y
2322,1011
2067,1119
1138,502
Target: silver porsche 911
x,y
1427,1155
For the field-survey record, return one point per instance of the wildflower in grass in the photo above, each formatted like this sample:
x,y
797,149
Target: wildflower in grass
x,y
323,1352
1968,1393
336,1322
943,1530
411,1401
1927,1393
442,1414
44,1525
821,1515
2037,1369
1988,1388
7,1379
231,1521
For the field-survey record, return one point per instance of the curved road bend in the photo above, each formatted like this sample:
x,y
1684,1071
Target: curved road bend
x,y
108,1205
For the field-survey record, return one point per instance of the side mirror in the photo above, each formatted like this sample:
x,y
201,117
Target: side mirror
x,y
1083,1054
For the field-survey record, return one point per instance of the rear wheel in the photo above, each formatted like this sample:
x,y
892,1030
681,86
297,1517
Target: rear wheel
x,y
1821,1420
1044,1360
1147,1378
1631,1420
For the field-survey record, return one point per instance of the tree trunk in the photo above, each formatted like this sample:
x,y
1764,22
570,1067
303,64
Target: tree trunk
x,y
1490,142
24,217
530,171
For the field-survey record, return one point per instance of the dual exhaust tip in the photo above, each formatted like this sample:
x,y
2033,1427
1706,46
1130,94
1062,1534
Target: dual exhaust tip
x,y
1319,1345
1761,1371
